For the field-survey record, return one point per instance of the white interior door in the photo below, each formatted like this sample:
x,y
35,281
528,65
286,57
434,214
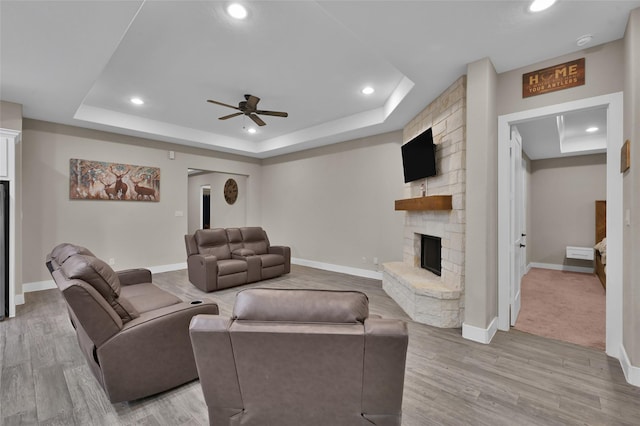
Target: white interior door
x,y
517,226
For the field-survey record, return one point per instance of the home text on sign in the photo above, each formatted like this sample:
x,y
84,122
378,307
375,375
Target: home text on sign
x,y
558,77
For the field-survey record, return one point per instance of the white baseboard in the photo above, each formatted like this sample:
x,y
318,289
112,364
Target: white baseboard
x,y
38,285
33,286
365,273
631,372
478,334
556,267
49,284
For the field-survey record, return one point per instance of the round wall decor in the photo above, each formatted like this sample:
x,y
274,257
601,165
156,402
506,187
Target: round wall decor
x,y
231,191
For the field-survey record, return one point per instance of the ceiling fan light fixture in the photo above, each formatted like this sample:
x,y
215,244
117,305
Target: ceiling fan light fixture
x,y
136,101
252,130
368,90
237,11
540,5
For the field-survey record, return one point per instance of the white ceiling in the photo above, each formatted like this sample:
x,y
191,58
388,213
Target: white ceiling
x,y
79,62
565,135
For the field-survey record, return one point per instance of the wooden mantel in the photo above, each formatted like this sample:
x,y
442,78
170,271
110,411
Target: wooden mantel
x,y
432,202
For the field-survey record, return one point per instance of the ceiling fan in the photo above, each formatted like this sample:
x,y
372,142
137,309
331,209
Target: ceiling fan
x,y
249,107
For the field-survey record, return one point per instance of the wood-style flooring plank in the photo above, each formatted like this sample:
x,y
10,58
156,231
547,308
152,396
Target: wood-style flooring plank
x,y
17,393
518,379
53,400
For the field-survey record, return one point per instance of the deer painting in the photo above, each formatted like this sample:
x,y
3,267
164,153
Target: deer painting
x,y
121,187
98,180
111,192
143,191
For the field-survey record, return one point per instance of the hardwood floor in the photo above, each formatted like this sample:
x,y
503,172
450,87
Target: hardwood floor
x,y
519,379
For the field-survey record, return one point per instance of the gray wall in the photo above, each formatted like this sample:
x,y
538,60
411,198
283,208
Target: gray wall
x,y
603,75
335,204
481,250
223,215
631,194
133,233
563,194
10,116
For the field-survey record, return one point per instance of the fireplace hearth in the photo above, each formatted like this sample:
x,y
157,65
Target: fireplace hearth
x,y
431,254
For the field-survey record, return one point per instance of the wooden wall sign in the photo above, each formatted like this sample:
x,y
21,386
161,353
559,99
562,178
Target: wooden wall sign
x,y
625,157
559,77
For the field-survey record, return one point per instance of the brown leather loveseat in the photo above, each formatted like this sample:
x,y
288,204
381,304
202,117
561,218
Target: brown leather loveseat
x,y
221,258
134,335
300,357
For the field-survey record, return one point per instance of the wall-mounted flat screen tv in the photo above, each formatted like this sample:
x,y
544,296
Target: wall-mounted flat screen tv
x,y
419,157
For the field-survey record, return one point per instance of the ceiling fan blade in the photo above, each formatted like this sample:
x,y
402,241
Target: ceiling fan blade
x,y
223,104
235,114
257,120
252,101
274,113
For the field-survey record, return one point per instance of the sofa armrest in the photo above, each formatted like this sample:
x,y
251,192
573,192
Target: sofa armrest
x,y
385,356
155,346
134,276
203,271
216,365
286,253
242,253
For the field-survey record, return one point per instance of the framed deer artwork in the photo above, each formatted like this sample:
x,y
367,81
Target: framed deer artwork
x,y
97,180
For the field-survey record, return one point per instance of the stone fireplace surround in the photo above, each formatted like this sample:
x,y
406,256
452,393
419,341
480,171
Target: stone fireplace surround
x,y
424,296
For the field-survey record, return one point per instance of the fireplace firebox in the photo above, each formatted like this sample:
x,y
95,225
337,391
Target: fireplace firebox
x,y
431,254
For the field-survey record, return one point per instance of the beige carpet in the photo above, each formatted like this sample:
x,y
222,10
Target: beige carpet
x,y
566,306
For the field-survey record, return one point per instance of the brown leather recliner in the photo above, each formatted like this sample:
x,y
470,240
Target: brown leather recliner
x,y
221,258
134,336
300,357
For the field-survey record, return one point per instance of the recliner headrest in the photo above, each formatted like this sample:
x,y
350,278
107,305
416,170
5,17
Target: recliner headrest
x,y
101,277
305,306
64,251
95,272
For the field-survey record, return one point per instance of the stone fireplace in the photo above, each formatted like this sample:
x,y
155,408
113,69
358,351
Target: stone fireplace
x,y
426,296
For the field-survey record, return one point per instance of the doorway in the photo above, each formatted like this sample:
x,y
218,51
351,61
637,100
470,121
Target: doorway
x,y
205,207
506,284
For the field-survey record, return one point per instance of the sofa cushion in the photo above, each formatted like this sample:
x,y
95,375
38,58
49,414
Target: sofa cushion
x,y
213,242
269,260
254,238
304,306
147,297
234,236
231,266
100,276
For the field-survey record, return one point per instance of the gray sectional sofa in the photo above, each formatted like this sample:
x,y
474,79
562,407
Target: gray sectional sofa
x,y
221,258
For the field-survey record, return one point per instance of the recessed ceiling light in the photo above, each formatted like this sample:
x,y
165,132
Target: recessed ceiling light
x,y
251,130
236,10
368,90
592,129
136,101
582,40
540,5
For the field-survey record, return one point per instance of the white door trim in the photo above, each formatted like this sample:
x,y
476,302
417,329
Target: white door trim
x,y
614,104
